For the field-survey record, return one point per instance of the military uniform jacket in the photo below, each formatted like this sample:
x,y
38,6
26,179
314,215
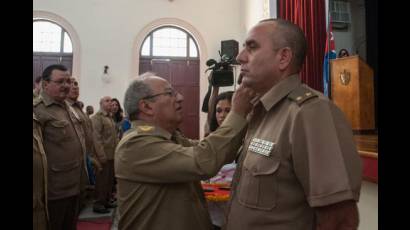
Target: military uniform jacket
x,y
299,153
64,145
158,174
106,133
40,213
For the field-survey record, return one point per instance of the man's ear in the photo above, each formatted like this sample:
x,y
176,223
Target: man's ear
x,y
286,56
145,107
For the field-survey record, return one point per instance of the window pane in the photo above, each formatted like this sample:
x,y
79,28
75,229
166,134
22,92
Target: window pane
x,y
169,42
46,37
68,48
193,52
145,47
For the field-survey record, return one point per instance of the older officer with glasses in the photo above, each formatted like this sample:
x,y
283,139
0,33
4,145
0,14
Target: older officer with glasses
x,y
158,170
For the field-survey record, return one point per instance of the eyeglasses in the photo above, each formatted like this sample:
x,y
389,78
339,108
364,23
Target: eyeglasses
x,y
171,93
61,82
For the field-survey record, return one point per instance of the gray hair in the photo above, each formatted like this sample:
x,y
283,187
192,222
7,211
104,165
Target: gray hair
x,y
135,92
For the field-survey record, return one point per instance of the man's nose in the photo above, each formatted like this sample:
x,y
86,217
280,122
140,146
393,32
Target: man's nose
x,y
180,97
241,57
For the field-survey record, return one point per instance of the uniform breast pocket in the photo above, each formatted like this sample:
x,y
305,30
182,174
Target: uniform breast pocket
x,y
258,184
57,131
64,175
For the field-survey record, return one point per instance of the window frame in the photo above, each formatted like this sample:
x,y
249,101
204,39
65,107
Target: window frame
x,y
151,45
63,31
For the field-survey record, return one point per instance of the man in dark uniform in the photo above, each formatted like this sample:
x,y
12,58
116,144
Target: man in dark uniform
x,y
40,213
299,168
107,140
64,147
158,170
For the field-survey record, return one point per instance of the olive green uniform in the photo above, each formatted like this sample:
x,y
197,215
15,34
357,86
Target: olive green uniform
x,y
107,140
40,213
299,153
158,174
63,139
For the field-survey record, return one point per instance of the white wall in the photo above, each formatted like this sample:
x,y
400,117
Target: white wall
x,y
108,29
255,10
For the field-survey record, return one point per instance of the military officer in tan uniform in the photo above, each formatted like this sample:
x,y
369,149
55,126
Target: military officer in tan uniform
x,y
158,170
86,124
40,213
299,168
64,147
107,139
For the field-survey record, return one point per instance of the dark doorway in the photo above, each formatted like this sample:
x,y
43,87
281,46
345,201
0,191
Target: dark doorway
x,y
184,77
172,53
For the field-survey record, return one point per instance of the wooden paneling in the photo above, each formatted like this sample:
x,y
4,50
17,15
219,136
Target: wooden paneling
x,y
367,146
352,91
42,60
184,77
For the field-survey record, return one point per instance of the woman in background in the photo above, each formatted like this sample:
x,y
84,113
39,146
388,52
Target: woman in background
x,y
118,116
221,105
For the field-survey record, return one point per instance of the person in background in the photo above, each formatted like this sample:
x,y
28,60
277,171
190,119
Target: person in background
x,y
89,110
88,177
343,53
219,110
107,139
37,87
118,116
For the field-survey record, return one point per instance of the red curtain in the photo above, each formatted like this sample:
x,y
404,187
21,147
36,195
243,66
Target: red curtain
x,y
310,16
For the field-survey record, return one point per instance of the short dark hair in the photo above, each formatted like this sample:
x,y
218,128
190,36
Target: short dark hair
x,y
38,79
47,71
213,125
290,34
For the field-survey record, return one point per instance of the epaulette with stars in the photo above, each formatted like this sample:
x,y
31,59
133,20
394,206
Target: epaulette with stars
x,y
301,95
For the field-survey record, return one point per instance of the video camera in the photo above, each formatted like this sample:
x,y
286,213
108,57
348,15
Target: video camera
x,y
222,72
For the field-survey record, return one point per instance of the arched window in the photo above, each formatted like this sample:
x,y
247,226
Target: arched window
x,y
169,42
51,45
50,37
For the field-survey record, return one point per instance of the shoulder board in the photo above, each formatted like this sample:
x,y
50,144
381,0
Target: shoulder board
x,y
301,95
145,128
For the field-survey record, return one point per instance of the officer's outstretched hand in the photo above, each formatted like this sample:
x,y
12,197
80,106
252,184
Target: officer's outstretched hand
x,y
241,100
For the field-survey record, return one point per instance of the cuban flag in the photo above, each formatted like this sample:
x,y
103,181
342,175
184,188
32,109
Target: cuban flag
x,y
330,53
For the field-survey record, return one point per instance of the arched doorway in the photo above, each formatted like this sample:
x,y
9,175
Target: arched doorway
x,y
173,54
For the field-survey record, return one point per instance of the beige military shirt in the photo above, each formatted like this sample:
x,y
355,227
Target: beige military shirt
x,y
64,146
88,136
106,133
40,213
158,174
298,154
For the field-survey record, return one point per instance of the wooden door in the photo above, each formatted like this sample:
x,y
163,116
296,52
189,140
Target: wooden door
x,y
184,77
42,60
